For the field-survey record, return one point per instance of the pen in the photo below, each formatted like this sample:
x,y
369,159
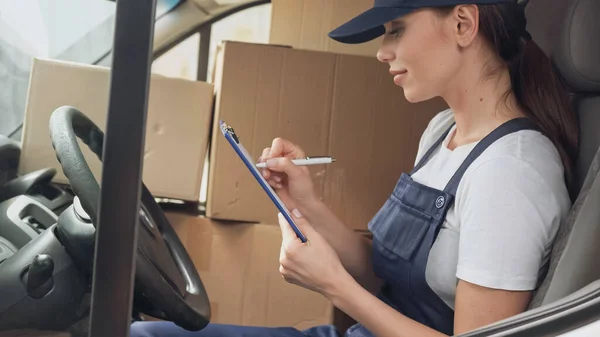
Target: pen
x,y
306,161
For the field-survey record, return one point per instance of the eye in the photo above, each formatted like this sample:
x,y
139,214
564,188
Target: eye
x,y
396,31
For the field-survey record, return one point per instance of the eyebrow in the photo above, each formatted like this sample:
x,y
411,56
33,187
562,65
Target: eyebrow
x,y
395,24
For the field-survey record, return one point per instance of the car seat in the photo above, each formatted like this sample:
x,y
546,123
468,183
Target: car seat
x,y
576,56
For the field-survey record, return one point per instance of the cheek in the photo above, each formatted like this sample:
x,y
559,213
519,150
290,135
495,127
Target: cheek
x,y
430,57
431,68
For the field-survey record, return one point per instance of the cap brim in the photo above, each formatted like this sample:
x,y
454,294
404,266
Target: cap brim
x,y
368,25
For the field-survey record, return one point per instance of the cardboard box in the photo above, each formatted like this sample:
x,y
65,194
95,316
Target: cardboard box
x,y
239,267
304,24
345,106
177,128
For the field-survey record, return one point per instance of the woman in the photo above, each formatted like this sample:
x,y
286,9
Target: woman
x,y
465,237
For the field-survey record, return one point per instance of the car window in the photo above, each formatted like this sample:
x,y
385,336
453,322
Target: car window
x,y
250,25
181,61
70,30
82,31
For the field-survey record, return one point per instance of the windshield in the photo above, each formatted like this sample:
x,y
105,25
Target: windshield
x,y
71,30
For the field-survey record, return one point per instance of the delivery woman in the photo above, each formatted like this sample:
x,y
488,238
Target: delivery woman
x,y
464,238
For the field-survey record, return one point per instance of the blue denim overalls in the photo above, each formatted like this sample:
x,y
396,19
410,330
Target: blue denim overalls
x,y
404,231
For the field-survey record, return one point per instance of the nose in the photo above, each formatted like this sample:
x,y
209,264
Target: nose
x,y
385,54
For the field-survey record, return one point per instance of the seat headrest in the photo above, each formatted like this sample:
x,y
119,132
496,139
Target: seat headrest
x,y
577,55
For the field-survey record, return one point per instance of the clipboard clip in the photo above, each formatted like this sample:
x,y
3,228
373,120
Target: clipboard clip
x,y
228,129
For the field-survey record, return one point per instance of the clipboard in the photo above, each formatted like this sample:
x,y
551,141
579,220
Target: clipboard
x,y
235,143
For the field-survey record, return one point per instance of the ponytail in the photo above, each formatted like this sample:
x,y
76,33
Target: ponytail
x,y
541,94
537,88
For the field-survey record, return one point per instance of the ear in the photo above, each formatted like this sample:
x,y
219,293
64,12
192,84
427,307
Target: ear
x,y
466,18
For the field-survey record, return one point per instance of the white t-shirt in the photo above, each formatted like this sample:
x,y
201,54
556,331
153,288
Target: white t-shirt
x,y
508,206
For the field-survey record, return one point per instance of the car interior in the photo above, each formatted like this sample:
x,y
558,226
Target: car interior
x,y
47,235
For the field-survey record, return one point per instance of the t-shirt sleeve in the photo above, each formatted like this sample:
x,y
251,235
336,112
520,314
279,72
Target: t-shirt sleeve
x,y
508,216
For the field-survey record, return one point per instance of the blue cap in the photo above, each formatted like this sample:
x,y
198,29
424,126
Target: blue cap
x,y
369,24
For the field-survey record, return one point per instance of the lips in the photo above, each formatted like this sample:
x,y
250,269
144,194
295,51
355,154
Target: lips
x,y
398,72
398,75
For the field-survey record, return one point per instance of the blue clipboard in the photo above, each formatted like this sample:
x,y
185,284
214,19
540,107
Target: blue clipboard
x,y
234,140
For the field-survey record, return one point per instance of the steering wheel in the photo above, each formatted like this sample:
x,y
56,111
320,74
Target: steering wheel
x,y
167,284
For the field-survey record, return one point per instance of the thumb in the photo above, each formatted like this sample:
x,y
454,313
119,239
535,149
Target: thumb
x,y
287,233
303,225
301,221
285,165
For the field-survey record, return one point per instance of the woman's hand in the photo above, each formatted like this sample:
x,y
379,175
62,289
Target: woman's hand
x,y
313,265
292,183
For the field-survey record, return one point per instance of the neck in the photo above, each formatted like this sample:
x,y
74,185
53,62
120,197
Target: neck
x,y
479,106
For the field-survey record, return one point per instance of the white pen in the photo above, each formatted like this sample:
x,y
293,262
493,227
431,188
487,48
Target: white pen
x,y
305,162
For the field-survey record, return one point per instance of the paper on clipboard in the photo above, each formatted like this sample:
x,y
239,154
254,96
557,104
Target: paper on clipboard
x,y
237,146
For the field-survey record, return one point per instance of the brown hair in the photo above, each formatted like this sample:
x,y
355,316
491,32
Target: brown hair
x,y
537,88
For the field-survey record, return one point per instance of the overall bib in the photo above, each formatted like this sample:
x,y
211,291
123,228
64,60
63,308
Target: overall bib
x,y
404,231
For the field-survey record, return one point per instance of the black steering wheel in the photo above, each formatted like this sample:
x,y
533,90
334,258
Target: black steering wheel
x,y
167,284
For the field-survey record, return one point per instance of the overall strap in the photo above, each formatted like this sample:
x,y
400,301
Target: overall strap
x,y
429,152
509,127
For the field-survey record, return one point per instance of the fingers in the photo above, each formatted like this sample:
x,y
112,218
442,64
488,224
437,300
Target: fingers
x,y
275,179
287,233
285,165
263,157
284,148
281,148
264,154
289,249
302,224
288,242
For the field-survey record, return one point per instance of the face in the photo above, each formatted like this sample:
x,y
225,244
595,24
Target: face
x,y
422,54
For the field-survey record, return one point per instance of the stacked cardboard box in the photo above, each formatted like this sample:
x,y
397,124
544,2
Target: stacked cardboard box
x,y
245,256
177,126
334,104
329,99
